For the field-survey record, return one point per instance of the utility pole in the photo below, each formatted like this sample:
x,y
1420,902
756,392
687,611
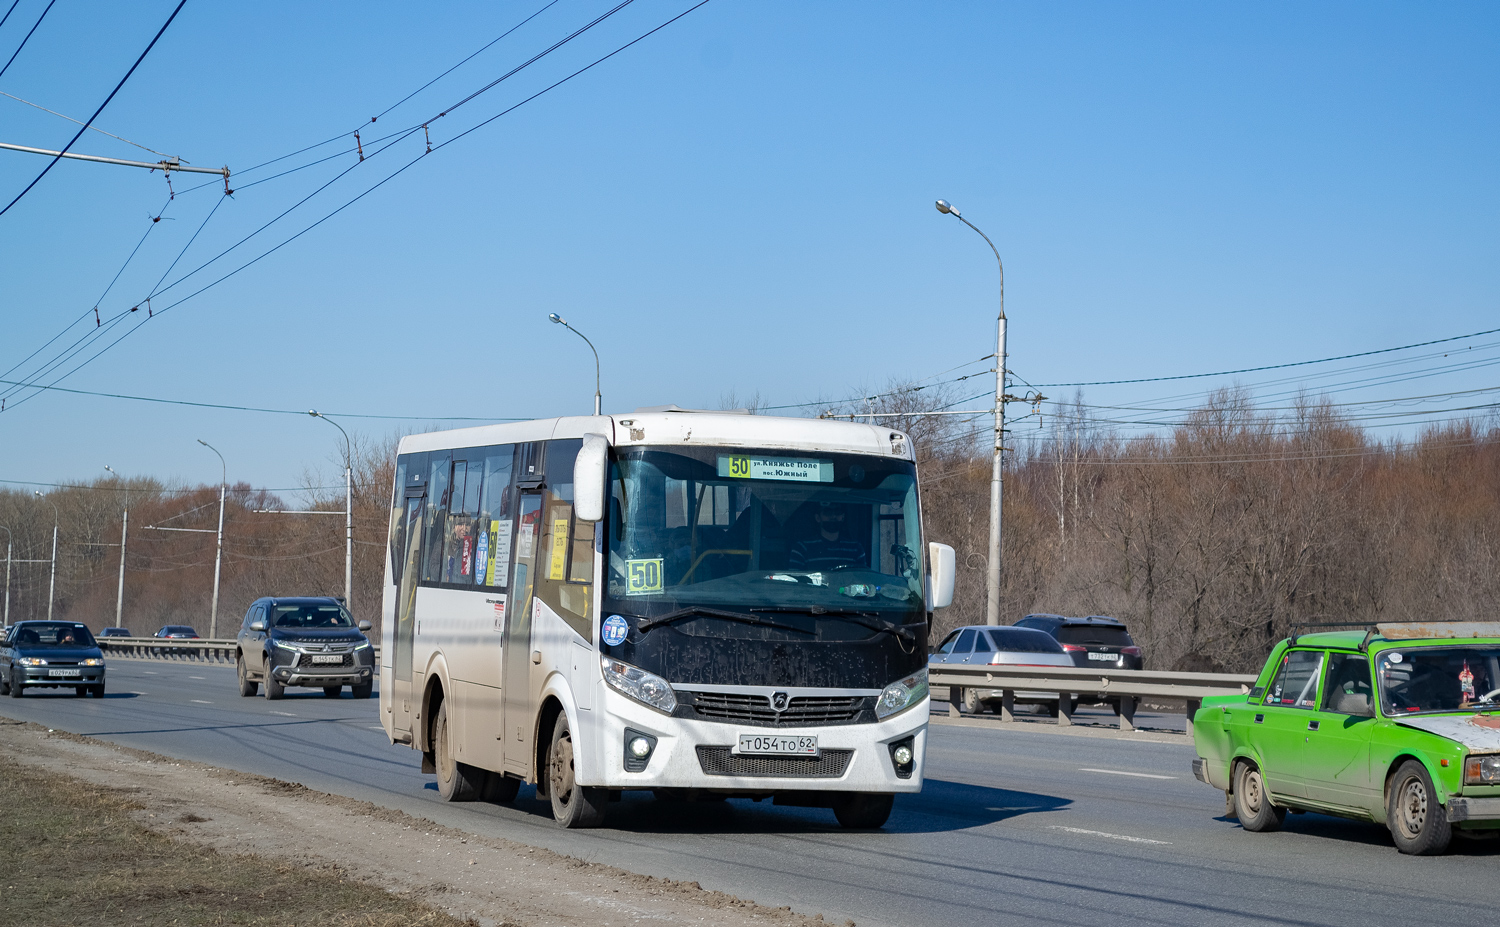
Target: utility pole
x,y
9,539
997,475
561,321
213,615
51,583
120,591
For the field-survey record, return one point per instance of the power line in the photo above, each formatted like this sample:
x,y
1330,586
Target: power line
x,y
28,35
58,157
87,126
382,182
13,5
1223,373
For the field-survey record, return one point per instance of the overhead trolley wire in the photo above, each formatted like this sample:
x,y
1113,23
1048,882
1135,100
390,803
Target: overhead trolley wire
x,y
13,5
58,157
28,35
402,135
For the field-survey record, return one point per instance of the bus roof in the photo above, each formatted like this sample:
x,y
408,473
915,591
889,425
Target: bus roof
x,y
723,429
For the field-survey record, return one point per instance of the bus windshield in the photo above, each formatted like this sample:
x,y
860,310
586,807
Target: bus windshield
x,y
760,532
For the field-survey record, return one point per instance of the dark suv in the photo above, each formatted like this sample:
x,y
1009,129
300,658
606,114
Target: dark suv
x,y
1093,641
308,641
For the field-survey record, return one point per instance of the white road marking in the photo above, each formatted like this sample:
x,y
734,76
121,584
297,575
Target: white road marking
x,y
140,693
284,714
148,672
1100,833
1121,772
197,677
200,701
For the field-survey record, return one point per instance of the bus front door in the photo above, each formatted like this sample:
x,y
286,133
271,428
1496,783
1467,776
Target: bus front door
x,y
515,683
406,618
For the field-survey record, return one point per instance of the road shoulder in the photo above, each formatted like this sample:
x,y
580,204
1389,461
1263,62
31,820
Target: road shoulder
x,y
491,880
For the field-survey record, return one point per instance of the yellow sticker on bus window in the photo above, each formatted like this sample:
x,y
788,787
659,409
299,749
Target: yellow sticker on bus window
x,y
559,549
643,577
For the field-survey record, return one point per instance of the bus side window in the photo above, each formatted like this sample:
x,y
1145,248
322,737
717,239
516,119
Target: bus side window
x,y
439,497
495,529
565,557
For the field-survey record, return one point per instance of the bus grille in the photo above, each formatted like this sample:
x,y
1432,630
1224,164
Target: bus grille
x,y
719,761
756,709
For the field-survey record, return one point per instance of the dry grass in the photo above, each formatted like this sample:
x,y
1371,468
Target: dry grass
x,y
71,854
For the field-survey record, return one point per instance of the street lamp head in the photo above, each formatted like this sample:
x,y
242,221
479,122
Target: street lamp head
x,y
314,413
556,318
945,207
203,442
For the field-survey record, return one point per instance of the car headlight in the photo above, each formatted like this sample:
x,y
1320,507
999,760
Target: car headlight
x,y
31,661
290,648
363,645
91,661
899,696
646,688
1482,770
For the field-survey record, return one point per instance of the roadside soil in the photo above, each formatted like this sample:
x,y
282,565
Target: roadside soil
x,y
331,851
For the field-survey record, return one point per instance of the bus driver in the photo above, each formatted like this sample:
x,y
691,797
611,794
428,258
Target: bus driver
x,y
830,550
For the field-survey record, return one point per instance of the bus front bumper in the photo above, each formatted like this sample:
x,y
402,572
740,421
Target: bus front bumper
x,y
695,754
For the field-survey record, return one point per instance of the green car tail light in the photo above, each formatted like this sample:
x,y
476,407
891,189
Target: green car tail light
x,y
1482,770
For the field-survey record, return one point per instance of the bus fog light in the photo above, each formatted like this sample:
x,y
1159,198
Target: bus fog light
x,y
904,757
638,749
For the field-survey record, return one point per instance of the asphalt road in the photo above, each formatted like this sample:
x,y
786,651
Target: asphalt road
x,y
1015,826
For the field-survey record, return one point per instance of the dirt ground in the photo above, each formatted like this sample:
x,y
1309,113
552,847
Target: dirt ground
x,y
491,881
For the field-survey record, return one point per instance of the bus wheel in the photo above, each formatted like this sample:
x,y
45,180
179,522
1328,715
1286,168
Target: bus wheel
x,y
863,810
455,781
500,788
573,805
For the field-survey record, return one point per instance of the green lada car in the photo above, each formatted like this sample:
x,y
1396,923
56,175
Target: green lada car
x,y
1399,725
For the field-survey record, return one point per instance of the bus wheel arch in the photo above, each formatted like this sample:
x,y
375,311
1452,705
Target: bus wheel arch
x,y
541,741
432,699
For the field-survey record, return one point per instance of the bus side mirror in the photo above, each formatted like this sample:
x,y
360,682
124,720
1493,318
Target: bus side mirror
x,y
589,471
940,577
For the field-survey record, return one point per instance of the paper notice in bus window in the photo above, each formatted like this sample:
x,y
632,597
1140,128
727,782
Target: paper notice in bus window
x,y
558,567
793,469
643,577
499,551
498,604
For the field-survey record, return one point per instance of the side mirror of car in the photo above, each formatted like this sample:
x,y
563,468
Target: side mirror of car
x,y
258,625
364,626
590,468
941,575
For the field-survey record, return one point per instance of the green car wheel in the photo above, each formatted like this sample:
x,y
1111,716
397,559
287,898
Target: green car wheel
x,y
1419,825
1252,803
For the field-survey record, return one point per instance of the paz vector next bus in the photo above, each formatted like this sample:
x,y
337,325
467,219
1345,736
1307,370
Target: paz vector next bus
x,y
700,604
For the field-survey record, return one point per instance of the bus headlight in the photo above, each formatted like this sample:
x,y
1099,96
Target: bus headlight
x,y
899,696
646,688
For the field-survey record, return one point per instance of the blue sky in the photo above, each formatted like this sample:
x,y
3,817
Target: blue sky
x,y
742,201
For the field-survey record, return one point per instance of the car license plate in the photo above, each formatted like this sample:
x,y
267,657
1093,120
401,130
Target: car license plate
x,y
65,672
328,658
1104,656
777,745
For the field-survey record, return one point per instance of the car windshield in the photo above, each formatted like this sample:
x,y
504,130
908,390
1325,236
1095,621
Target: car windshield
x,y
804,532
1024,640
54,634
1423,679
311,616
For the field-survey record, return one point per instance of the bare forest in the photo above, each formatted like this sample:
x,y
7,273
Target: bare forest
x,y
1211,540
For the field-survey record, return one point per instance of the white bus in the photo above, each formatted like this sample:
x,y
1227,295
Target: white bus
x,y
700,604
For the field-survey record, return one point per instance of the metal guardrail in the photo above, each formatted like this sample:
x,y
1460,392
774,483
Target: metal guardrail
x,y
1128,686
187,649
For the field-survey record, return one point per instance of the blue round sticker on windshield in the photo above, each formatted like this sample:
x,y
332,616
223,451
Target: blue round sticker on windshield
x,y
614,630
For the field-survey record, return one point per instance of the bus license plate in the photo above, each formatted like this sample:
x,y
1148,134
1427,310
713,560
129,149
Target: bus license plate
x,y
777,745
328,658
65,672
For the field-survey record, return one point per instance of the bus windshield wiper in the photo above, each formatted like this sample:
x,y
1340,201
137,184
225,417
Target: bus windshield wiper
x,y
852,615
694,611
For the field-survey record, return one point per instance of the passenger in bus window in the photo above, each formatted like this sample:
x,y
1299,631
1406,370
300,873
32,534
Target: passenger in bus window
x,y
831,548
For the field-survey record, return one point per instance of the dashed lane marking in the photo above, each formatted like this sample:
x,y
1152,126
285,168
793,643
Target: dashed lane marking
x,y
1121,772
200,701
197,677
1100,833
284,714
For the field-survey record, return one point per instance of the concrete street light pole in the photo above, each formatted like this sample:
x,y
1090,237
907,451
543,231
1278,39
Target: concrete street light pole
x,y
213,614
348,509
124,523
992,574
8,540
51,583
559,320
